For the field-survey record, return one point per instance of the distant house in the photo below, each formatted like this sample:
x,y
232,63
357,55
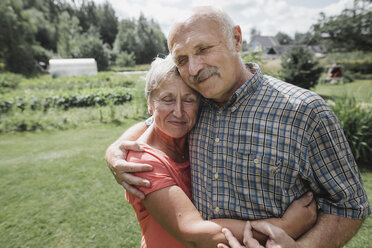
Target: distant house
x,y
271,49
264,44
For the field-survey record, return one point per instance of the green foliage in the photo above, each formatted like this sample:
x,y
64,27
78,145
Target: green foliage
x,y
68,34
252,57
108,23
9,81
356,121
351,30
283,39
141,37
89,46
66,100
45,103
126,59
299,67
17,39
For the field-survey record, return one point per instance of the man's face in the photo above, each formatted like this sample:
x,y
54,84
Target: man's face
x,y
205,59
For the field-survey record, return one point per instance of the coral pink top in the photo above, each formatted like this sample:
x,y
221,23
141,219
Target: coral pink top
x,y
165,173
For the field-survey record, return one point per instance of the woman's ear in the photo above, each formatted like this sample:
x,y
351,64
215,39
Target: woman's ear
x,y
149,107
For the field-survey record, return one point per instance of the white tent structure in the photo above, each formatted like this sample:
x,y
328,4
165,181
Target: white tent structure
x,y
72,67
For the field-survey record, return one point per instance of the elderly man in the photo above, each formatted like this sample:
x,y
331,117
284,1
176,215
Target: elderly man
x,y
259,143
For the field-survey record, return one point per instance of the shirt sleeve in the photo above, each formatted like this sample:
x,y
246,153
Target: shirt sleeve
x,y
337,180
159,177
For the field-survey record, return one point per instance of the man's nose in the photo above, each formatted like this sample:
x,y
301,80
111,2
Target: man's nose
x,y
195,65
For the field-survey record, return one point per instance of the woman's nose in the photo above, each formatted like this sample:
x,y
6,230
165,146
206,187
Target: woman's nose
x,y
177,112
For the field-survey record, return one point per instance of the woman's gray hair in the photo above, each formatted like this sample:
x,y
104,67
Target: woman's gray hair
x,y
161,69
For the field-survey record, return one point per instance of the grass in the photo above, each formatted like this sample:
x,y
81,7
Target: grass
x,y
55,191
360,89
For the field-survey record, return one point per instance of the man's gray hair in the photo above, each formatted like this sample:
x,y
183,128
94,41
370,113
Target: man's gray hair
x,y
161,69
221,18
217,15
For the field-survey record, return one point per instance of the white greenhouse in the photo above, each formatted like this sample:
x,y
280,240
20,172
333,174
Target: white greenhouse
x,y
72,67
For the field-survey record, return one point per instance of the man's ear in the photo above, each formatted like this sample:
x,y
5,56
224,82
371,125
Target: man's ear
x,y
238,38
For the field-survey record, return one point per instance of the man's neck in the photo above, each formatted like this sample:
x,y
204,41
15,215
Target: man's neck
x,y
244,75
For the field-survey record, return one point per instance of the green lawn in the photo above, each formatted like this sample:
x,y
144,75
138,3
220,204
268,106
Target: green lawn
x,y
360,89
56,191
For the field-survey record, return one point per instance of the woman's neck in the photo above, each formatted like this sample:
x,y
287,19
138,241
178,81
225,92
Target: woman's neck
x,y
175,148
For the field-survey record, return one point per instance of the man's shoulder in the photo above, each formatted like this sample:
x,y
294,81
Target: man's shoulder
x,y
293,94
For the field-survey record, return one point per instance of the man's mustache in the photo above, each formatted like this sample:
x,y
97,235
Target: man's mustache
x,y
204,74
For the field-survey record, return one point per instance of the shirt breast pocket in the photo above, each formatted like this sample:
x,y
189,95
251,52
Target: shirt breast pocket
x,y
269,184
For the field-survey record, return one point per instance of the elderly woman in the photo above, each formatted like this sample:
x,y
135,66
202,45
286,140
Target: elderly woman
x,y
167,216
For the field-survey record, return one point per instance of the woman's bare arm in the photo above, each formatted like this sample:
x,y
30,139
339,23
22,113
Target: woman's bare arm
x,y
174,211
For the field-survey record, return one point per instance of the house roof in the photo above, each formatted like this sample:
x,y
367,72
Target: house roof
x,y
265,41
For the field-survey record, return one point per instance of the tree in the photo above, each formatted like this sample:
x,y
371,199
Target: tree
x,y
68,34
351,30
90,46
299,67
16,45
126,59
46,32
126,37
143,38
283,39
307,39
107,23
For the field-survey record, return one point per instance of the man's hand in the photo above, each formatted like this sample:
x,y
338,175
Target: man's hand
x,y
277,237
300,216
121,169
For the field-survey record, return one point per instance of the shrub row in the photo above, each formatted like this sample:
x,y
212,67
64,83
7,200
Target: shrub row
x,y
358,66
87,98
9,81
356,121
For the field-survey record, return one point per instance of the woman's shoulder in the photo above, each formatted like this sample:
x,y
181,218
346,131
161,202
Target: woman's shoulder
x,y
148,155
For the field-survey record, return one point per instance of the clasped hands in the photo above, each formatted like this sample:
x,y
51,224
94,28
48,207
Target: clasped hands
x,y
277,237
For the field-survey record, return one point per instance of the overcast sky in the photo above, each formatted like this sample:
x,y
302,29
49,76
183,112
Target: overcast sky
x,y
267,16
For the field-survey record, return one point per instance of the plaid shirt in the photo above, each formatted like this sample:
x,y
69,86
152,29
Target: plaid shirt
x,y
271,143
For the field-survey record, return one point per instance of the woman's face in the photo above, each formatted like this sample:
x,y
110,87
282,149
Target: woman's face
x,y
174,106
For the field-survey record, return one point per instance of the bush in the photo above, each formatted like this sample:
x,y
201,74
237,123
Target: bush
x,y
92,47
66,100
358,66
126,59
356,121
9,81
299,67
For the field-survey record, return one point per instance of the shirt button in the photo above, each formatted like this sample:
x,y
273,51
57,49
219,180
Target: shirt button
x,y
273,169
216,176
256,161
216,210
233,109
217,140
